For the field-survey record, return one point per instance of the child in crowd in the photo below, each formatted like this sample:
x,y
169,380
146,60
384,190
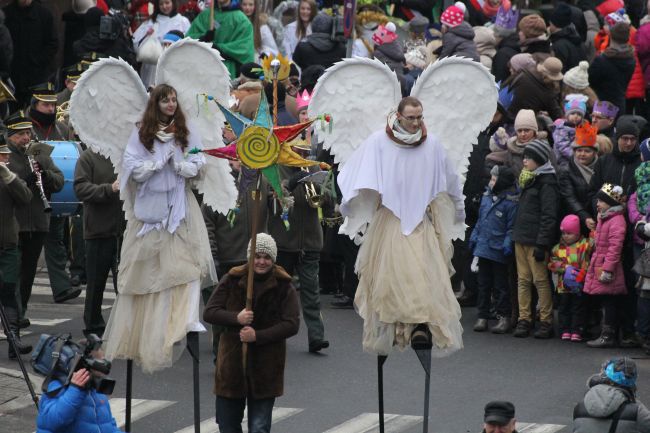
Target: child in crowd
x,y
492,246
565,129
509,151
605,279
534,233
570,261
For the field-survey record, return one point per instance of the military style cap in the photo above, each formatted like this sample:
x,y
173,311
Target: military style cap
x,y
73,73
4,149
91,57
44,92
18,121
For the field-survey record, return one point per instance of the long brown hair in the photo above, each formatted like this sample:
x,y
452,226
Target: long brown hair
x,y
152,118
256,22
301,28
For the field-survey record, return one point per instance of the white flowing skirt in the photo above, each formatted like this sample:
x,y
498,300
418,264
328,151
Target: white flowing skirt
x,y
159,283
405,281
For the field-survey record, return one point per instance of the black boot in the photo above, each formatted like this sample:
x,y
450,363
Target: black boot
x,y
14,330
607,339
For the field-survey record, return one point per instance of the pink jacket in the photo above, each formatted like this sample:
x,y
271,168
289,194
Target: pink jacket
x,y
610,236
634,216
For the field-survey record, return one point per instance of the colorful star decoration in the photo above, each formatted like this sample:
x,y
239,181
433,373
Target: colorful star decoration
x,y
262,146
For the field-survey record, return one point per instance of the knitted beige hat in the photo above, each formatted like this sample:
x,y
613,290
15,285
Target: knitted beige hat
x,y
526,120
577,77
265,245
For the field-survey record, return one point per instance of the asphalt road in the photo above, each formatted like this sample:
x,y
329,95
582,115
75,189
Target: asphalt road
x,y
336,391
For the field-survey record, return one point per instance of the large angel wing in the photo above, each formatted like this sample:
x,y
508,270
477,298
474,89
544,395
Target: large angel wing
x,y
193,68
107,102
459,98
358,93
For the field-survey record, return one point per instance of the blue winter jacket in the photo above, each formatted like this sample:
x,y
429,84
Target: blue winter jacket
x,y
492,236
74,410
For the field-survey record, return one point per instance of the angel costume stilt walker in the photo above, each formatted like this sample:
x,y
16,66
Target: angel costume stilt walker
x,y
154,143
402,174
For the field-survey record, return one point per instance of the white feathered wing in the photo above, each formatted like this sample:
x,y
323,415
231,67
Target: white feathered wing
x,y
106,104
358,93
459,98
193,68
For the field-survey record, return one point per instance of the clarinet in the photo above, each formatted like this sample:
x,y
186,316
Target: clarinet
x,y
39,183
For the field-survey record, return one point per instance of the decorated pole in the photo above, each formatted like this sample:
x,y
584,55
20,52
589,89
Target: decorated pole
x,y
275,69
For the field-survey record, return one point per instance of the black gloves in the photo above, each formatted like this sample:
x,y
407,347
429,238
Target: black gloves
x,y
208,36
539,254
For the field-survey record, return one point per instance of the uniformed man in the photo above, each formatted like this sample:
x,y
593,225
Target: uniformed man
x,y
33,221
14,192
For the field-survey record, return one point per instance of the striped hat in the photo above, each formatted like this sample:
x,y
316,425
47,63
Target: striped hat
x,y
538,150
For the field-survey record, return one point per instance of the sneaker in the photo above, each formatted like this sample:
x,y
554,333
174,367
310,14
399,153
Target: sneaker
x,y
629,340
575,337
566,336
522,330
545,331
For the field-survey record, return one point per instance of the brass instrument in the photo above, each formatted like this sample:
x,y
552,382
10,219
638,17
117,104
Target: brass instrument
x,y
5,93
62,112
314,199
39,183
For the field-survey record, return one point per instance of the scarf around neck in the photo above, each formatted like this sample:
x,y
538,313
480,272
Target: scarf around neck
x,y
401,136
165,132
586,170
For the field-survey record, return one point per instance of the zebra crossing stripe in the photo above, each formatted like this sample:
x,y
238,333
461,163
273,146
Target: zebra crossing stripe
x,y
210,426
369,422
139,408
538,428
48,322
42,287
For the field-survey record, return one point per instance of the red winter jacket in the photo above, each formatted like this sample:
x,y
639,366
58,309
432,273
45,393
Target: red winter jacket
x,y
642,41
609,6
608,247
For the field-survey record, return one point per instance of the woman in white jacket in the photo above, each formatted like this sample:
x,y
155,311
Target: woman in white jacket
x,y
262,36
299,29
164,19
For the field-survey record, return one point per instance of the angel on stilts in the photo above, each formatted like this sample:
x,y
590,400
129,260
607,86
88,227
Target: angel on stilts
x,y
402,173
165,257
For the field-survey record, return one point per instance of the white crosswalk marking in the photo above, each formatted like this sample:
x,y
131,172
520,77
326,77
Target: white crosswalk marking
x,y
369,422
538,428
210,426
139,408
48,322
42,287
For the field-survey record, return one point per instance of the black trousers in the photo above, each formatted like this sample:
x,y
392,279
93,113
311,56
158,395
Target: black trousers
x,y
493,284
348,250
572,312
30,245
101,257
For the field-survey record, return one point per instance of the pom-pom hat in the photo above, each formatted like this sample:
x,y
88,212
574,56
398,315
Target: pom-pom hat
x,y
454,15
578,76
385,34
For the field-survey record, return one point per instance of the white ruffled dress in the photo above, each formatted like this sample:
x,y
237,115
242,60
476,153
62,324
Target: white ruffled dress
x,y
165,258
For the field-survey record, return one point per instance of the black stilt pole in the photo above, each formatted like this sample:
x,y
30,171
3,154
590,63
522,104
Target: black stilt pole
x,y
129,390
381,359
424,355
193,348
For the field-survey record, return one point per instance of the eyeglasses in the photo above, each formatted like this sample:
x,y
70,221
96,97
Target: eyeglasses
x,y
413,118
627,139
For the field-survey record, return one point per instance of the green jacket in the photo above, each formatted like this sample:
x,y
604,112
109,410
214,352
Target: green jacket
x,y
12,195
93,185
31,217
233,37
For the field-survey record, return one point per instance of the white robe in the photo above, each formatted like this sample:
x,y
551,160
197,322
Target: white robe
x,y
409,196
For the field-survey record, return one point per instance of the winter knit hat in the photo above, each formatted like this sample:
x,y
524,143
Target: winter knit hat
x,y
575,105
532,26
454,15
561,16
616,17
538,150
611,194
644,147
322,23
265,245
578,76
505,178
551,68
570,224
522,61
385,34
620,33
627,126
526,120
416,58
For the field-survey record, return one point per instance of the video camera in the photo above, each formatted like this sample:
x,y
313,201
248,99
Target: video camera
x,y
58,357
113,25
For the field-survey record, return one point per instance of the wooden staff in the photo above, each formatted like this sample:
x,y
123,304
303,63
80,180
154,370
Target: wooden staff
x,y
212,14
257,199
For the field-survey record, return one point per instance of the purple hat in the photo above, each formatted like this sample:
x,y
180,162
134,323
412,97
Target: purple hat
x,y
506,20
606,109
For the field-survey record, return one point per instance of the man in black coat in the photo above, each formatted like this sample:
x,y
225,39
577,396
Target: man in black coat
x,y
35,43
538,90
319,48
92,41
566,43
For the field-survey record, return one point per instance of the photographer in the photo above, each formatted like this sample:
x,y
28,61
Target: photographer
x,y
111,40
77,407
